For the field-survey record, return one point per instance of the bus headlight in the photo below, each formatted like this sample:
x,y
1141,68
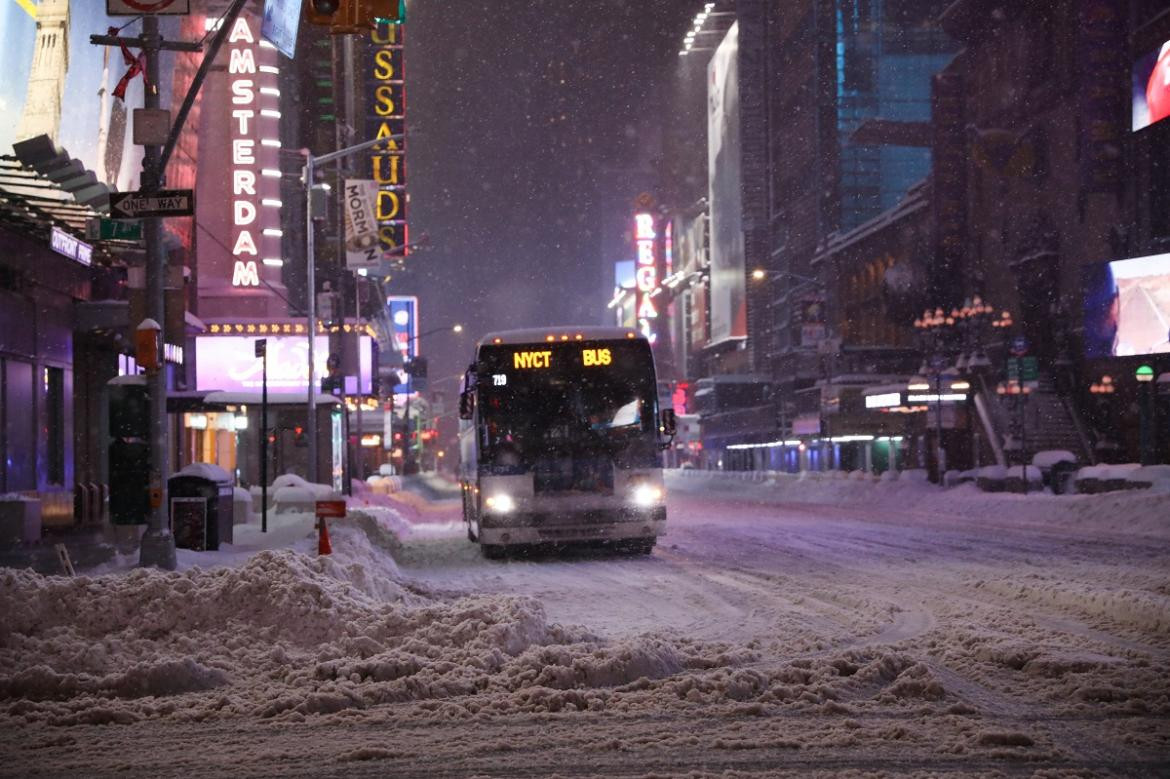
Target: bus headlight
x,y
502,503
647,495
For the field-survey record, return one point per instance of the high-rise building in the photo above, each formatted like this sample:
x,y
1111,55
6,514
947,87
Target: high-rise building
x,y
46,82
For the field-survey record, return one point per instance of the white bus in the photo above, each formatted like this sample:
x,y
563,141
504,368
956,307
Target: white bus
x,y
561,439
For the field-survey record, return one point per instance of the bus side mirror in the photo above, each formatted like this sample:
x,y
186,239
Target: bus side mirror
x,y
467,404
667,423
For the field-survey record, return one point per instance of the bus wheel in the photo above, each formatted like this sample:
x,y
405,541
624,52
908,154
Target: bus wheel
x,y
492,551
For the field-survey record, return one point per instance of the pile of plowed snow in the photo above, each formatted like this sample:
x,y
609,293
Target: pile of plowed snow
x,y
286,634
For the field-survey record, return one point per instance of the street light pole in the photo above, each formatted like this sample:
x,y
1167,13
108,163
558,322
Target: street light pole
x,y
311,163
408,448
1145,378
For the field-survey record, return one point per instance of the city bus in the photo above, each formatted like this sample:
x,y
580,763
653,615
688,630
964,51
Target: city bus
x,y
560,440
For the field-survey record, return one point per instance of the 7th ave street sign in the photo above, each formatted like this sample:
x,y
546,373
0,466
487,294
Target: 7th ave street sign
x,y
165,202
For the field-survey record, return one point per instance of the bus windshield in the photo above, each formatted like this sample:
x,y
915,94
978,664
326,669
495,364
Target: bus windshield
x,y
584,398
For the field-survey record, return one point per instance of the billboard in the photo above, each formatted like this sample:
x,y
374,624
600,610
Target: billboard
x,y
1127,307
229,363
691,253
403,334
812,321
728,304
279,27
1151,87
70,74
362,251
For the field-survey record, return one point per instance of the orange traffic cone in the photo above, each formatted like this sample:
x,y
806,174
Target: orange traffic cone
x,y
323,545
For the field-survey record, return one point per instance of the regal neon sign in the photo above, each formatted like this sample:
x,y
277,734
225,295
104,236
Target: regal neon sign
x,y
645,275
242,70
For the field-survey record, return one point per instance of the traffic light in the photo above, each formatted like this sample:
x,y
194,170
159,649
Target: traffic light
x,y
417,367
345,17
299,438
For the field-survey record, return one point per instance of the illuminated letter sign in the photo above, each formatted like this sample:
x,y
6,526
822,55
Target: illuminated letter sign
x,y
531,359
386,117
246,274
242,71
596,357
645,274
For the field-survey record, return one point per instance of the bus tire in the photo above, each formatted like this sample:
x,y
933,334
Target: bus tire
x,y
493,551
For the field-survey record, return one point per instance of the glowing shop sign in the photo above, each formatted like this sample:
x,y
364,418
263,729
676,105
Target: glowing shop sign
x,y
946,397
242,69
531,359
645,274
65,244
592,357
884,400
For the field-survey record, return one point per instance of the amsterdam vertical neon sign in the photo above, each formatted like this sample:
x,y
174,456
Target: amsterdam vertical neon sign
x,y
254,171
645,275
242,71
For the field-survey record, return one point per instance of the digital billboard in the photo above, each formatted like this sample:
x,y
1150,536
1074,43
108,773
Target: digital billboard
x,y
279,26
1127,307
728,305
1151,87
71,77
403,333
229,363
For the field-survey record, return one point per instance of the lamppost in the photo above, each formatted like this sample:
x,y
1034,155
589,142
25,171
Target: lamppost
x,y
408,445
311,164
1145,377
1018,393
1103,422
935,328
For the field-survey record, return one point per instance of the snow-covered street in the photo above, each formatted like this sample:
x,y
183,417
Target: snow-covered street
x,y
792,628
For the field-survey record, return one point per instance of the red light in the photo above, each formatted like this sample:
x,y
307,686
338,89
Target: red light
x,y
298,430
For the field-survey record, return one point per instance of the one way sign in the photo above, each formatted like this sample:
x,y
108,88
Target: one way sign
x,y
165,202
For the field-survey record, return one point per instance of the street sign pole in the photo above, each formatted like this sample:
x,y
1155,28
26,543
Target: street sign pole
x,y
262,353
158,544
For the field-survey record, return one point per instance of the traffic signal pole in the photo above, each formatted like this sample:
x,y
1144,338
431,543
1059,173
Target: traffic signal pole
x,y
311,165
158,544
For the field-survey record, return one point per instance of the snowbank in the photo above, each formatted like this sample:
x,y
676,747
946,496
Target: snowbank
x,y
285,635
1050,457
1137,511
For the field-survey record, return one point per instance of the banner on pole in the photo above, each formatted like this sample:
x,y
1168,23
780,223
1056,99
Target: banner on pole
x,y
361,227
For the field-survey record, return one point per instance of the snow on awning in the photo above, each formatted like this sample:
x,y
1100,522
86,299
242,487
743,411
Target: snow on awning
x,y
885,389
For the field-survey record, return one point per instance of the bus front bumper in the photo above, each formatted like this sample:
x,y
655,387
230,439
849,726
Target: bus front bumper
x,y
604,525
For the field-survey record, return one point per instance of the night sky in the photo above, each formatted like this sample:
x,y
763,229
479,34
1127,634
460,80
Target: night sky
x,y
517,114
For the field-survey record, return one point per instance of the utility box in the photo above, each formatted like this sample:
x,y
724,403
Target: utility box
x,y
202,504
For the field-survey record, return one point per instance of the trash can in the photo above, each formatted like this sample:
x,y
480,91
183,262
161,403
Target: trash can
x,y
201,506
1061,477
